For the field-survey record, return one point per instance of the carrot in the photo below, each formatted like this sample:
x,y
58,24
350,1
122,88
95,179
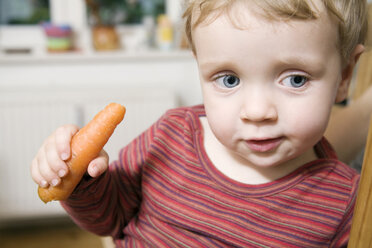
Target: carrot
x,y
86,145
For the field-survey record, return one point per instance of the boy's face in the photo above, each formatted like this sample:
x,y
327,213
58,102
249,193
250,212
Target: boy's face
x,y
269,87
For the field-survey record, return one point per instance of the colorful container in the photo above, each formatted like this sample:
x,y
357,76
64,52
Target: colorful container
x,y
59,37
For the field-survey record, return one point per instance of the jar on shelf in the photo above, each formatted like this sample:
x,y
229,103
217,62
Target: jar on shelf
x,y
164,33
59,37
105,38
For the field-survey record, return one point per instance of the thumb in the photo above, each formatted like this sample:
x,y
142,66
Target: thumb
x,y
98,165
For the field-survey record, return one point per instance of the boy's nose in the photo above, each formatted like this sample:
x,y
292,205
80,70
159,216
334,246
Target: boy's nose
x,y
258,107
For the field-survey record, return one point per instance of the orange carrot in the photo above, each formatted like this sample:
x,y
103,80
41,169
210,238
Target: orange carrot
x,y
86,145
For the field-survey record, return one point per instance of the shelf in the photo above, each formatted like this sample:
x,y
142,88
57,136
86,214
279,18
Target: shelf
x,y
93,57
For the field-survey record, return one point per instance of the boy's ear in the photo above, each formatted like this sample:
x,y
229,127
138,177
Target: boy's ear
x,y
347,73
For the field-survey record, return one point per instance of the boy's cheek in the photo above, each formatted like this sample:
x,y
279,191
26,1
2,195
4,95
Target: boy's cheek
x,y
311,122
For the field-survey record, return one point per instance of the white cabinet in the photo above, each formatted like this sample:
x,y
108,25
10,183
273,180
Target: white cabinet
x,y
23,125
40,93
149,70
28,116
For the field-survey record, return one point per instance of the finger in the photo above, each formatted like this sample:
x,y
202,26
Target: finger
x,y
36,176
46,172
98,165
63,136
57,165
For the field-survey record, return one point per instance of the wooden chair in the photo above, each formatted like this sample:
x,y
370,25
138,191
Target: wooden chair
x,y
361,230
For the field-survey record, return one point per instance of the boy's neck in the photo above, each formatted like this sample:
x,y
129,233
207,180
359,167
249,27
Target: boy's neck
x,y
236,168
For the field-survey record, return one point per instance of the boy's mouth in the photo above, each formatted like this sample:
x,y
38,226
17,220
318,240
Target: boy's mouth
x,y
264,145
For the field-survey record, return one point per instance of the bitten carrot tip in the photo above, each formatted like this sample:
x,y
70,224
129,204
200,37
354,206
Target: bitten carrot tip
x,y
97,132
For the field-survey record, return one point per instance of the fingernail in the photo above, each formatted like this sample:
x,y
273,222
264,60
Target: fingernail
x,y
64,156
55,182
61,173
44,184
94,170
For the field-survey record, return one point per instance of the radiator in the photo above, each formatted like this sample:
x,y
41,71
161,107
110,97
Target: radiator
x,y
28,117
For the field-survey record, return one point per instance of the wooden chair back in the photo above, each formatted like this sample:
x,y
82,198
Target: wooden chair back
x,y
361,230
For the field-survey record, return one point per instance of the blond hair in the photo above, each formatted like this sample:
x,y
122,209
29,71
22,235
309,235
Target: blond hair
x,y
351,15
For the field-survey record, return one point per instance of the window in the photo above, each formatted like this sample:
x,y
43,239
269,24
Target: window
x,y
123,11
23,12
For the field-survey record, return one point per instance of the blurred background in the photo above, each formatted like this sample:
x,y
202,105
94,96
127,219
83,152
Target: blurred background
x,y
61,61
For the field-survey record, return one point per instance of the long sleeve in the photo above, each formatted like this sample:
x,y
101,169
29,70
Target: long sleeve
x,y
105,205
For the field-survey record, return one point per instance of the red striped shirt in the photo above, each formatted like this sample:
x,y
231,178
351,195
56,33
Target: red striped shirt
x,y
164,192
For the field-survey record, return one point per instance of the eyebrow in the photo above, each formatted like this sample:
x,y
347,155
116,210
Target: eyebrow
x,y
296,61
310,64
216,65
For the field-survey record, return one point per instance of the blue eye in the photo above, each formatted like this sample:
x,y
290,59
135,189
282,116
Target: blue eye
x,y
295,81
228,81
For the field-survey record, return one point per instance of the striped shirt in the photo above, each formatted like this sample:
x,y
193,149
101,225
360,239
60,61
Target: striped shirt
x,y
163,191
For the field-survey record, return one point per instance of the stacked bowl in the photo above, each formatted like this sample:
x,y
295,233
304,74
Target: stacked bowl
x,y
59,37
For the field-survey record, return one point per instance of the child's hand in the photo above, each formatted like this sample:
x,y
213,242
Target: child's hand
x,y
49,164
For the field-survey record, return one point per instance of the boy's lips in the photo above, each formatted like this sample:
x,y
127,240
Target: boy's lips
x,y
264,145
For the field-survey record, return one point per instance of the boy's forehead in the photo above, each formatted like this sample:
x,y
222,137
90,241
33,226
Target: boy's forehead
x,y
236,11
300,37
